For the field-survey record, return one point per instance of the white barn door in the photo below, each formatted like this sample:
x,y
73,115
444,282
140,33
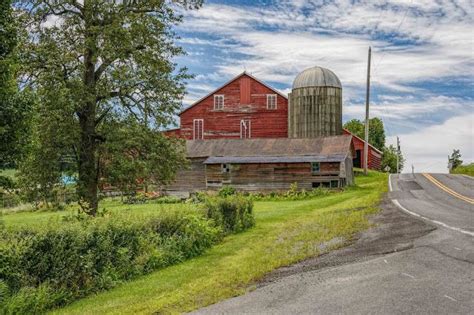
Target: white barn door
x,y
198,129
245,129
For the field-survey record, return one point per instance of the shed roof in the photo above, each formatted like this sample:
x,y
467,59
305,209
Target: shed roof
x,y
275,159
278,148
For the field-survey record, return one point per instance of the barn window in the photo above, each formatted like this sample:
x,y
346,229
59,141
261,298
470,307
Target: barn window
x,y
245,129
315,167
225,168
271,101
198,129
218,101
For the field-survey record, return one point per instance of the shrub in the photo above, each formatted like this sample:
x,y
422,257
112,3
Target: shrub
x,y
56,264
233,213
227,191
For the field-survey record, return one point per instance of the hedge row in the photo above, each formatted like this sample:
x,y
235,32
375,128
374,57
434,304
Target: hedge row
x,y
50,267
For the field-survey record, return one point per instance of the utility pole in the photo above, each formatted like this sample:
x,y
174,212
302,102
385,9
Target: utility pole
x,y
398,153
367,97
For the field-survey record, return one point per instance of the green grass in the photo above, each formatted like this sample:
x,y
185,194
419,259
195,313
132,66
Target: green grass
x,y
286,232
467,169
33,219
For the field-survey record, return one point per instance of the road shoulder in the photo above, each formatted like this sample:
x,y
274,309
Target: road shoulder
x,y
391,231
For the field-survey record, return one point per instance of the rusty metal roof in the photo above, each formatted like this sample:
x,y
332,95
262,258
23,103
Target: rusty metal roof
x,y
275,159
270,147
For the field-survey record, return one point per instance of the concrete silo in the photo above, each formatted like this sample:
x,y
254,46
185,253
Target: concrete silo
x,y
315,104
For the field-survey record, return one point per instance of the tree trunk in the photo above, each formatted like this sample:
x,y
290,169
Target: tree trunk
x,y
88,169
88,180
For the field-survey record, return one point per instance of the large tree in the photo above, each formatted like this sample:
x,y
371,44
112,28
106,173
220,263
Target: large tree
x,y
376,131
94,59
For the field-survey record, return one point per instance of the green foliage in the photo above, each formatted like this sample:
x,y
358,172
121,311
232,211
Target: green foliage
x,y
50,266
467,169
455,159
234,213
227,191
104,61
376,131
7,183
134,155
389,158
15,106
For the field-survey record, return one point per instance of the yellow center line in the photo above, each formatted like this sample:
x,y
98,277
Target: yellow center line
x,y
447,189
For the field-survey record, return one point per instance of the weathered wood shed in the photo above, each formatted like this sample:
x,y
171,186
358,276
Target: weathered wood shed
x,y
267,164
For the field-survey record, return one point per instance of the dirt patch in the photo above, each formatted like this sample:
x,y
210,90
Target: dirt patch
x,y
392,231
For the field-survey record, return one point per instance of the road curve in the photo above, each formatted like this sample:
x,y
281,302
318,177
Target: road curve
x,y
419,259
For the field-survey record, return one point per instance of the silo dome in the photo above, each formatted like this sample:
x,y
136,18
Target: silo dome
x,y
316,76
315,104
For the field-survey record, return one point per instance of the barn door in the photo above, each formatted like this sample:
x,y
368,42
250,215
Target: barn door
x,y
245,129
198,129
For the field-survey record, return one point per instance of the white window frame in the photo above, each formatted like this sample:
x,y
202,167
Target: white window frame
x,y
197,123
217,104
245,129
312,167
269,105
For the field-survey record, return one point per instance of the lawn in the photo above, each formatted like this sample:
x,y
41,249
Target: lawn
x,y
285,232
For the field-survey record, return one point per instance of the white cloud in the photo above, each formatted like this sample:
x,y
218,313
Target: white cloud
x,y
428,149
337,34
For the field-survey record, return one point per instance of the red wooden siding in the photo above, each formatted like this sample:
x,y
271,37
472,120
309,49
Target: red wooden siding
x,y
374,159
244,99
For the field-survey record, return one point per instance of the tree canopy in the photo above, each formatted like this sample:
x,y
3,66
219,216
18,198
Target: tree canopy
x,y
92,60
376,131
389,159
14,106
454,160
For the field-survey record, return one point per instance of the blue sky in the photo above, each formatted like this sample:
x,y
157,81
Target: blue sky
x,y
422,66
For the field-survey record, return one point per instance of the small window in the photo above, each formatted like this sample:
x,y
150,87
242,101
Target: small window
x,y
315,167
218,101
225,168
271,101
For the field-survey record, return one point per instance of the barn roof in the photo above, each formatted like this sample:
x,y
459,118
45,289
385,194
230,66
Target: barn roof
x,y
284,150
229,82
275,159
347,132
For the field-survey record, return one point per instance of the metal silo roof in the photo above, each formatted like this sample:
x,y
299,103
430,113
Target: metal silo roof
x,y
316,76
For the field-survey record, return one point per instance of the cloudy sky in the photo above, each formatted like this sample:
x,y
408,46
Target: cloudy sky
x,y
422,63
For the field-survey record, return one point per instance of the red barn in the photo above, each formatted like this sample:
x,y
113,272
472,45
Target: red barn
x,y
244,107
374,158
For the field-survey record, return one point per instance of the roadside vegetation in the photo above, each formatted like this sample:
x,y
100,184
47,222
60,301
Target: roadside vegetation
x,y
48,259
467,169
286,231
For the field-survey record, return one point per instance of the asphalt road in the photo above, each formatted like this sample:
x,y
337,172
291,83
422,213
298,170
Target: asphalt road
x,y
419,259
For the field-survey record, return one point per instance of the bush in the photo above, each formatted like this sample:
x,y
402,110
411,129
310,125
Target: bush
x,y
227,191
234,213
54,265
